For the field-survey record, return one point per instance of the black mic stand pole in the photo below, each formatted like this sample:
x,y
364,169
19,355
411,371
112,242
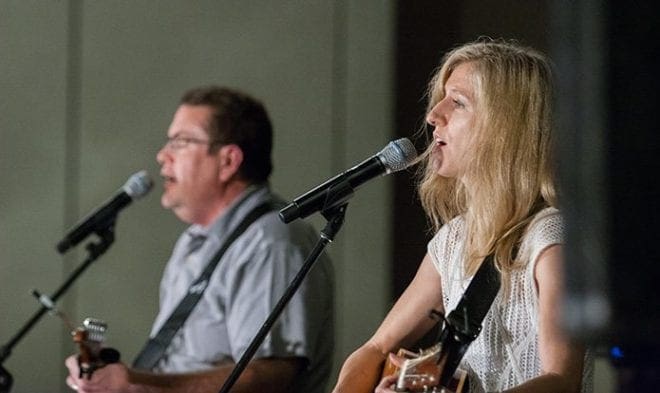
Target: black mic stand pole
x,y
106,235
335,217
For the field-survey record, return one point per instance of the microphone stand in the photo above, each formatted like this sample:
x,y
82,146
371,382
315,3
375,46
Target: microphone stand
x,y
335,217
6,380
106,236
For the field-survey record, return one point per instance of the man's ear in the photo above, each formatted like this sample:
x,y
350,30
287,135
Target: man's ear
x,y
230,160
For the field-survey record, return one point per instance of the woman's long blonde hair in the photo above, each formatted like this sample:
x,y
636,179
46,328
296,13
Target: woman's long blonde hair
x,y
508,175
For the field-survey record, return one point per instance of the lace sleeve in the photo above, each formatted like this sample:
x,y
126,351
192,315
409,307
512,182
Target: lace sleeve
x,y
545,230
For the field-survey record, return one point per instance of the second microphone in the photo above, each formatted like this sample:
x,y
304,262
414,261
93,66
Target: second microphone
x,y
397,155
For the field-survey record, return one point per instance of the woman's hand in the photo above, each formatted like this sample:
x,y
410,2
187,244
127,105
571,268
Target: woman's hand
x,y
386,385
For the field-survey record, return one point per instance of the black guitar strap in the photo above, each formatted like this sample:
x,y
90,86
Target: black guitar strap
x,y
463,324
155,347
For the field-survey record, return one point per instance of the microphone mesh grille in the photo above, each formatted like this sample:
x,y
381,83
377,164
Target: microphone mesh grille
x,y
398,155
138,185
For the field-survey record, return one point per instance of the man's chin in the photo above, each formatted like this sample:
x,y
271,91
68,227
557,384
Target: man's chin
x,y
168,204
176,208
180,212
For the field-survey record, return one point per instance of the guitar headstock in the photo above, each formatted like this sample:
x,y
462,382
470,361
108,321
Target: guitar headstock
x,y
420,372
90,337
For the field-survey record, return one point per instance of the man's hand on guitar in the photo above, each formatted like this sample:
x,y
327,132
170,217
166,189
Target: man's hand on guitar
x,y
112,378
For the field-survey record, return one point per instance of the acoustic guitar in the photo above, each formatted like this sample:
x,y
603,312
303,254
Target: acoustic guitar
x,y
421,372
92,356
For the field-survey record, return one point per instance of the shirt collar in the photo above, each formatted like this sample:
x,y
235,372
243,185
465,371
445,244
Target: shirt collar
x,y
244,201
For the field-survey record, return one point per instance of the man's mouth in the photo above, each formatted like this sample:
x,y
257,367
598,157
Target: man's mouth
x,y
168,179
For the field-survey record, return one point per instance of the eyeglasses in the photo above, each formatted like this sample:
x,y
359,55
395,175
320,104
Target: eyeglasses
x,y
179,142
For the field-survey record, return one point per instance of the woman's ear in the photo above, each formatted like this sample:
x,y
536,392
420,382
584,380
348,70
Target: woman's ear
x,y
230,160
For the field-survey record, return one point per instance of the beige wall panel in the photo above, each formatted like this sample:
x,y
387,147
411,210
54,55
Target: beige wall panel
x,y
88,91
33,57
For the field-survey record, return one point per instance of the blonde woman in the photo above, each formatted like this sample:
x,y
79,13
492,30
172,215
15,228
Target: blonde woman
x,y
488,188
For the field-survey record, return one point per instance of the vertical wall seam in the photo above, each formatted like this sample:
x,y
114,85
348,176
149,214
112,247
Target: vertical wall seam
x,y
72,116
338,150
72,153
339,86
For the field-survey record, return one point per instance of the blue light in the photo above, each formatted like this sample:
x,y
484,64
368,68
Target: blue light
x,y
616,352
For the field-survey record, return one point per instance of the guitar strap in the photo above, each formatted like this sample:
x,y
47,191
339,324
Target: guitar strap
x,y
463,324
155,347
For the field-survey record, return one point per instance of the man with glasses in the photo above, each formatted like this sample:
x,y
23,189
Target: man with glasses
x,y
215,167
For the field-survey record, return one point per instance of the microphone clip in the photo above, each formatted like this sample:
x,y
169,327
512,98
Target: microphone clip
x,y
106,235
335,197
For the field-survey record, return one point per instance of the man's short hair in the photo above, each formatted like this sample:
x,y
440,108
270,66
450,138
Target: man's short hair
x,y
238,119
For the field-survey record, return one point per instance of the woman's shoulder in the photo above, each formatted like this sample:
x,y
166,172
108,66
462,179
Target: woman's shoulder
x,y
446,242
545,229
452,226
547,222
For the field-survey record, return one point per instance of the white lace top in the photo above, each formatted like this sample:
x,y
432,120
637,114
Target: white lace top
x,y
506,352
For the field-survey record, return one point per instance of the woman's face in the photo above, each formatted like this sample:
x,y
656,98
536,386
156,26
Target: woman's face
x,y
452,120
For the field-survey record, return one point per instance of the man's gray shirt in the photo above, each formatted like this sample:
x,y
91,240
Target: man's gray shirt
x,y
242,291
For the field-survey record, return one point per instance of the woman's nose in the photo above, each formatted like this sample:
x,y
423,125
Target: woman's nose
x,y
434,117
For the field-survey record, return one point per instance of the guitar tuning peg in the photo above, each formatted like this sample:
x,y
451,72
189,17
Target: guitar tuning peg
x,y
96,329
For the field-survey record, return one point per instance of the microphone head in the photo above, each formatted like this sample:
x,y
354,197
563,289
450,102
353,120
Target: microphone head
x,y
138,185
397,155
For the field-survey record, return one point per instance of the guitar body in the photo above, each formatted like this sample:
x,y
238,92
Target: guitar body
x,y
420,372
425,371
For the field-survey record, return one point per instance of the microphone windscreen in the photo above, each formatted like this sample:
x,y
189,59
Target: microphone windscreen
x,y
397,155
138,185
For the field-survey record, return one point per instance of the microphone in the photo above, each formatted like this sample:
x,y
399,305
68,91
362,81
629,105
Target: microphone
x,y
397,155
136,187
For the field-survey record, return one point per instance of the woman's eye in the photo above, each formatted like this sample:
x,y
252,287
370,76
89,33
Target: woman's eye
x,y
458,103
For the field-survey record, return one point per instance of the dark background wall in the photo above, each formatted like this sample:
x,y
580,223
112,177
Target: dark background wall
x,y
424,32
606,59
